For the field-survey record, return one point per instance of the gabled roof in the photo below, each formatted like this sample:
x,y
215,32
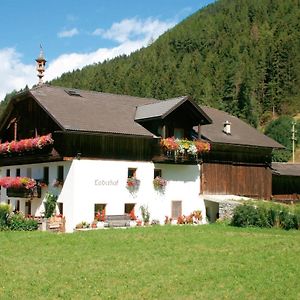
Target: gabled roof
x,y
87,111
286,169
79,110
160,110
241,132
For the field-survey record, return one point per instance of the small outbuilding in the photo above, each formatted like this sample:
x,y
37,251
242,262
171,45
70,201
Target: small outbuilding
x,y
286,181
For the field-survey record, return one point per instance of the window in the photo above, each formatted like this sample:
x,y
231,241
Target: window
x,y
18,172
60,173
178,133
157,173
99,207
8,201
46,175
176,209
129,207
131,172
60,208
7,172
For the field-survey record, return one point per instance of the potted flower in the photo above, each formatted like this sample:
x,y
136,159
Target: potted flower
x,y
133,218
159,183
132,184
94,224
100,218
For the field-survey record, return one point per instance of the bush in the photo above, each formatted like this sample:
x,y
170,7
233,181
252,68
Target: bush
x,y
244,216
17,222
4,213
266,215
287,220
50,205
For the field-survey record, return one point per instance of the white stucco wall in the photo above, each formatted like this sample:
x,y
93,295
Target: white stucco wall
x,y
89,181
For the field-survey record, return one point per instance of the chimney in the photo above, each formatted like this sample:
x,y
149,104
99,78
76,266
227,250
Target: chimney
x,y
40,65
227,128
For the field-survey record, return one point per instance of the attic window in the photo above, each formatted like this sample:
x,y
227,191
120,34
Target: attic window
x,y
73,93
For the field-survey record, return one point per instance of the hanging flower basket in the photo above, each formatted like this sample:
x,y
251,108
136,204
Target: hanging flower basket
x,y
132,184
159,183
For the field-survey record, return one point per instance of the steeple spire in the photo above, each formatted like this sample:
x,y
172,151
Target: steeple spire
x,y
40,65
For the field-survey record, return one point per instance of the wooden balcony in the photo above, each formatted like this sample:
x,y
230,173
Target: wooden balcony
x,y
23,192
179,151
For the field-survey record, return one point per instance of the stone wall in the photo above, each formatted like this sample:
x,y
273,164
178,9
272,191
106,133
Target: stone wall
x,y
226,209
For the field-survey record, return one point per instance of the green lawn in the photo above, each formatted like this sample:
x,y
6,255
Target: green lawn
x,y
163,262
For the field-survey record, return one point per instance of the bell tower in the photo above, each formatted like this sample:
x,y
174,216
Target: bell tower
x,y
40,65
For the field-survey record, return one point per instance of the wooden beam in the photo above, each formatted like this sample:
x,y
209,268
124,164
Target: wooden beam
x,y
15,130
199,132
164,132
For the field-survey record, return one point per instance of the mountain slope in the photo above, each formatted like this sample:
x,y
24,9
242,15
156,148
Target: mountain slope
x,y
241,56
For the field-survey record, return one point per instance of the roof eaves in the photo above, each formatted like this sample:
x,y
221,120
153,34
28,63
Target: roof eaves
x,y
184,98
106,133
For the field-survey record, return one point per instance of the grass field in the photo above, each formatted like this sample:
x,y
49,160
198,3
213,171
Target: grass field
x,y
163,262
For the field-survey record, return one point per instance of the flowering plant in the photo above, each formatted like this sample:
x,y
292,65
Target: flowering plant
x,y
26,144
202,146
159,183
57,183
17,182
194,218
132,215
169,144
133,183
100,215
185,146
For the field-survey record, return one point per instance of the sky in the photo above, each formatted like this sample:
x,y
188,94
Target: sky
x,y
75,33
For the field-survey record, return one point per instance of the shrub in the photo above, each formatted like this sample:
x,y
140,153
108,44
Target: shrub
x,y
273,216
266,215
287,220
17,222
50,205
244,216
145,214
4,213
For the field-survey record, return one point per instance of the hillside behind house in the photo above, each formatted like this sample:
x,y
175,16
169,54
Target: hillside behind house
x,y
240,56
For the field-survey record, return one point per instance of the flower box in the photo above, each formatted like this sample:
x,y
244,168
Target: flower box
x,y
183,149
41,144
21,192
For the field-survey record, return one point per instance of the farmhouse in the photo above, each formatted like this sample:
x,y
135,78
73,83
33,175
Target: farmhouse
x,y
99,151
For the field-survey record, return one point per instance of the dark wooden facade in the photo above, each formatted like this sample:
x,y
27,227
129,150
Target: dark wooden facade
x,y
235,170
286,188
236,179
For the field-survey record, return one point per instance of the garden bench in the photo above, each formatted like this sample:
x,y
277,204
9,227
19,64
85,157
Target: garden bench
x,y
117,220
